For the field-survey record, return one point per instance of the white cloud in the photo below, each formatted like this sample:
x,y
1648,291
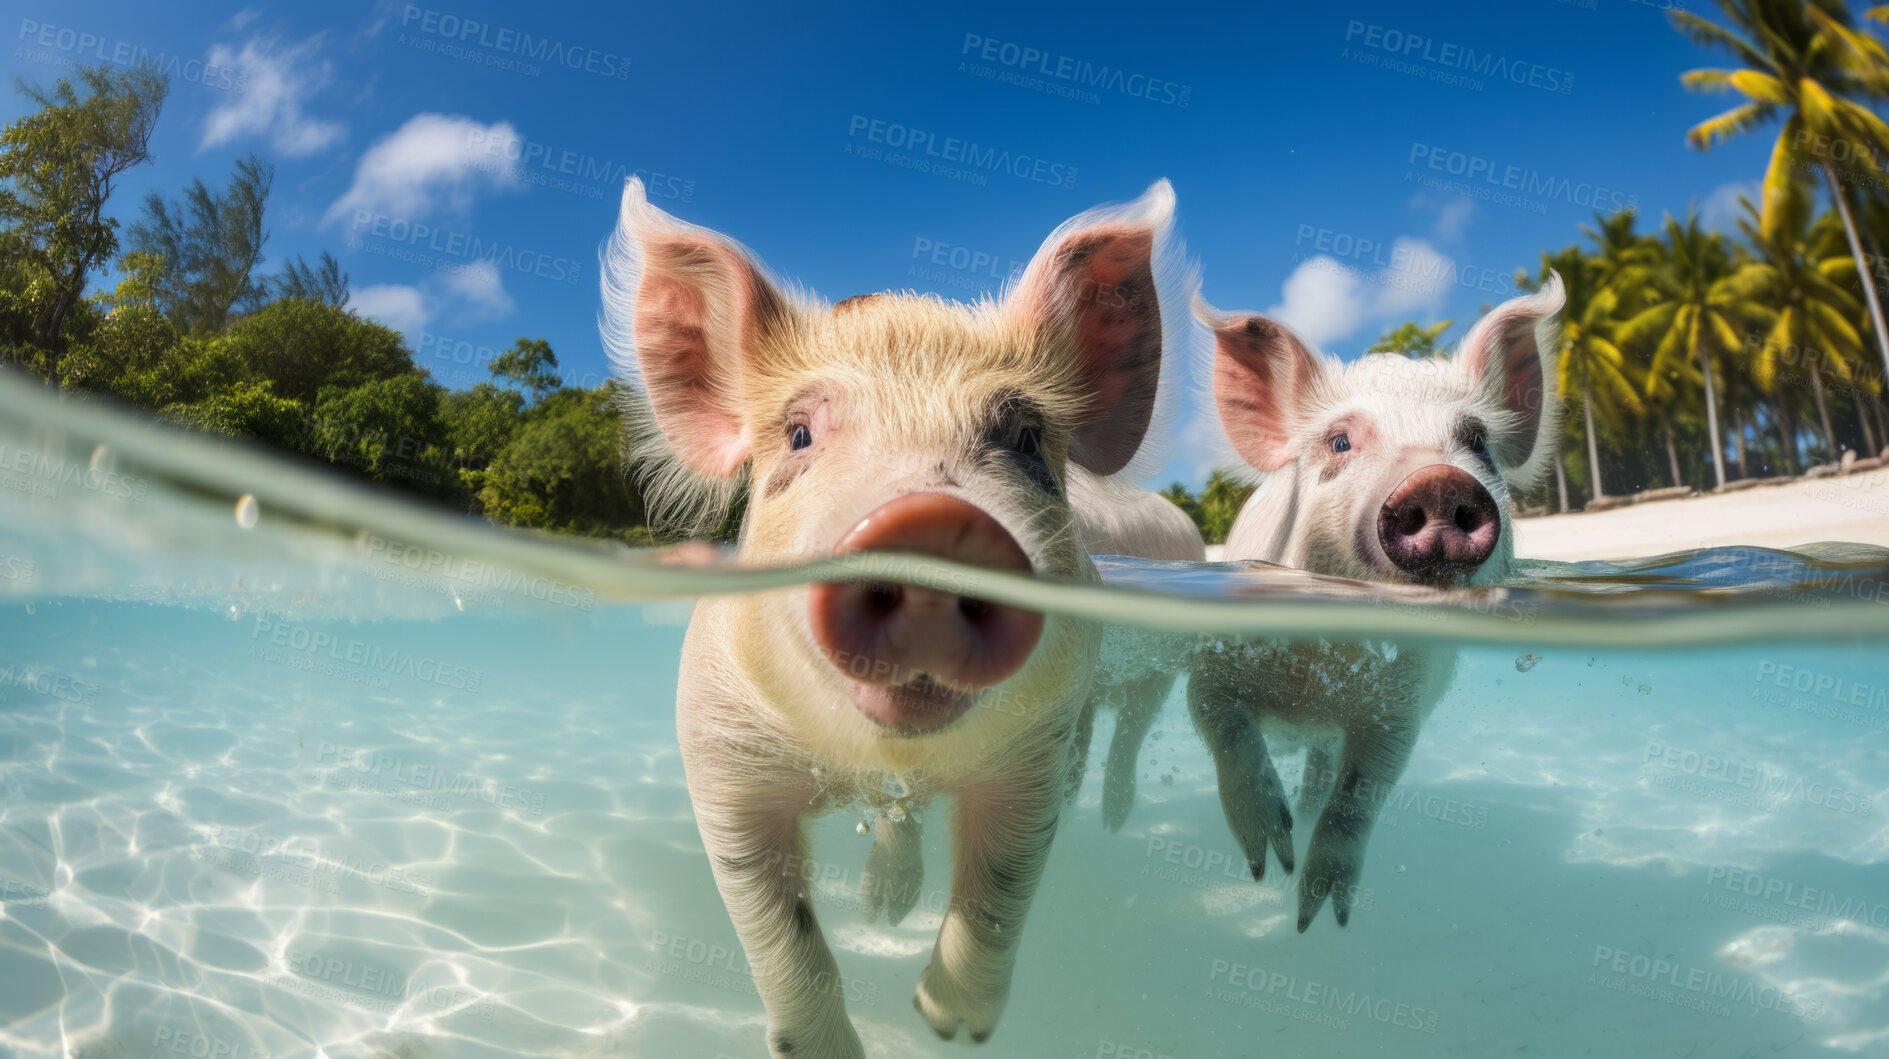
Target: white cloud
x,y
1325,300
1417,280
1721,210
480,284
400,307
478,289
278,82
433,162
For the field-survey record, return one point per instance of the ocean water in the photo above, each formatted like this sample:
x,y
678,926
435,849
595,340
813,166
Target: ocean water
x,y
288,768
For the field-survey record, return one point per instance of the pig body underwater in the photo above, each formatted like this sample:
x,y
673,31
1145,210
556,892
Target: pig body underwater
x,y
1140,667
890,422
1387,469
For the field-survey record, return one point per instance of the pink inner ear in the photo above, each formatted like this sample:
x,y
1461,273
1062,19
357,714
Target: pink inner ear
x,y
1511,330
1261,372
1109,274
676,339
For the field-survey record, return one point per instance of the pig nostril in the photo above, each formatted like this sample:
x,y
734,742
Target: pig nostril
x,y
1466,519
973,610
883,599
1410,520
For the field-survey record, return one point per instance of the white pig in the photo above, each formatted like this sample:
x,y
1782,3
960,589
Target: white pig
x,y
1384,469
1140,666
901,423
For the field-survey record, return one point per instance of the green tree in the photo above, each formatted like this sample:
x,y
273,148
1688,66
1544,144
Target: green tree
x,y
388,428
529,364
212,244
323,283
1810,330
1591,362
562,468
1697,311
1413,339
1220,502
1802,62
58,166
132,336
303,346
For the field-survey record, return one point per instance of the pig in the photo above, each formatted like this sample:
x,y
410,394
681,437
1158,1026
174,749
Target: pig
x,y
1385,469
1142,667
887,422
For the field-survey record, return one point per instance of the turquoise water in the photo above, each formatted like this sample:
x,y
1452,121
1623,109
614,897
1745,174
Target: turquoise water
x,y
316,773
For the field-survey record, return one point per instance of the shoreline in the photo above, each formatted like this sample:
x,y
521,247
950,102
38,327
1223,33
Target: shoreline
x,y
1853,508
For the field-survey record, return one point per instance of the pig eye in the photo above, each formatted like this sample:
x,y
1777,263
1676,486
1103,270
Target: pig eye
x,y
1341,443
1476,444
800,437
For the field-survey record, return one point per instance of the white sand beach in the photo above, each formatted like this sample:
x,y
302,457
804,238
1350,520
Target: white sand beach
x,y
1852,508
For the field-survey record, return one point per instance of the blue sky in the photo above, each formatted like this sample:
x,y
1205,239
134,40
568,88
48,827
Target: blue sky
x,y
1343,166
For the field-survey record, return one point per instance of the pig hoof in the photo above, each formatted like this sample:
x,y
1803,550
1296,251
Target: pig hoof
x,y
832,1038
890,883
1331,870
947,1006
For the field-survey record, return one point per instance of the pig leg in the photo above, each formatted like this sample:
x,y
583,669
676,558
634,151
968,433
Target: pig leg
x,y
750,825
895,869
1141,704
1251,795
1079,751
1369,763
1316,785
1002,835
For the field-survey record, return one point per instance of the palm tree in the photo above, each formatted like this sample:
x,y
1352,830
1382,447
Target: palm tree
x,y
1801,61
1800,275
1591,363
1697,310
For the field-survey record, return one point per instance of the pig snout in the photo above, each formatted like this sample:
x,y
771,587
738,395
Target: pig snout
x,y
918,655
1438,524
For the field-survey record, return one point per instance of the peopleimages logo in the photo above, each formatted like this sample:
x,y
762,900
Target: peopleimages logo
x,y
1414,47
426,245
510,42
1479,177
78,46
1078,73
1652,972
951,157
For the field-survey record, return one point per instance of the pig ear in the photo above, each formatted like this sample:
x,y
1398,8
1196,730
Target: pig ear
x,y
1511,354
1096,286
1262,374
684,309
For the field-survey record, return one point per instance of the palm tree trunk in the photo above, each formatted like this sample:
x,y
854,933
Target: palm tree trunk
x,y
1717,443
1862,265
1593,453
1787,437
1561,479
1672,452
1862,420
1823,412
1738,442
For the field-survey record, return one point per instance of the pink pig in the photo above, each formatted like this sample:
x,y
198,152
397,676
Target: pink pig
x,y
1384,469
890,422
